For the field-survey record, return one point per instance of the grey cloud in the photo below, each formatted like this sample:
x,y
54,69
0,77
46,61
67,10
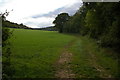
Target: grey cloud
x,y
67,9
70,10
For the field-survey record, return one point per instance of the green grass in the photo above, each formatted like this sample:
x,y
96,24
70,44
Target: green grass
x,y
84,65
34,52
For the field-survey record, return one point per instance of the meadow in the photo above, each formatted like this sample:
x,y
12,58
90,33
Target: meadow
x,y
35,52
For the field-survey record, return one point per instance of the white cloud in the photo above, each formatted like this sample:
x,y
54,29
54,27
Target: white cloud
x,y
39,22
24,9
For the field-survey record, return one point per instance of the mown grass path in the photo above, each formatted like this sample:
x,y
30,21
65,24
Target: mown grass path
x,y
62,65
91,61
82,58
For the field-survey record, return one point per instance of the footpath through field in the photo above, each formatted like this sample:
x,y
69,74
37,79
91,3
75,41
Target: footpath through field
x,y
79,59
62,65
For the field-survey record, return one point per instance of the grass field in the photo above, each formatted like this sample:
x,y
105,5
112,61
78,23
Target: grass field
x,y
35,52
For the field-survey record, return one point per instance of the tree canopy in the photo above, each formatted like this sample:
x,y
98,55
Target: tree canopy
x,y
60,21
99,21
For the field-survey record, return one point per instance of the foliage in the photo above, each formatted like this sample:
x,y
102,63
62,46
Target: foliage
x,y
60,21
7,69
98,20
14,25
68,27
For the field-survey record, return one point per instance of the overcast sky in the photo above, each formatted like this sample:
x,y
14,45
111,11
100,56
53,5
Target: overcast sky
x,y
38,13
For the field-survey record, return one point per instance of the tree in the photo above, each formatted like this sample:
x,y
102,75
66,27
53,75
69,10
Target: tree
x,y
60,21
101,21
7,69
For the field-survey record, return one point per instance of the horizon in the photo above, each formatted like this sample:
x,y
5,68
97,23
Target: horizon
x,y
40,16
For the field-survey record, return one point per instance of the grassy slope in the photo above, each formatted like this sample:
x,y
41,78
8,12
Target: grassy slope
x,y
90,61
34,52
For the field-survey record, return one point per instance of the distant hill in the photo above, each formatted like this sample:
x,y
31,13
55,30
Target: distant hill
x,y
14,25
50,28
22,26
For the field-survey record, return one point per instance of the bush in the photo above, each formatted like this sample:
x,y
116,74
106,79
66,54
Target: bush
x,y
7,69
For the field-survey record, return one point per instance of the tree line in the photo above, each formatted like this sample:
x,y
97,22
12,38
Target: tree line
x,y
9,24
100,21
